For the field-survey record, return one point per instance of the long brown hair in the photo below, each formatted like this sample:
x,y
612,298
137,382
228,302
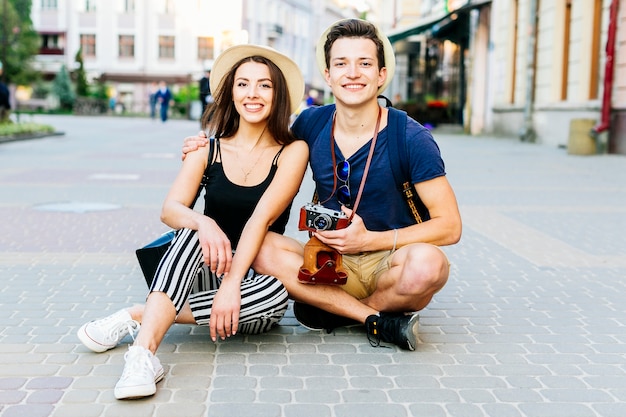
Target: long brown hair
x,y
222,120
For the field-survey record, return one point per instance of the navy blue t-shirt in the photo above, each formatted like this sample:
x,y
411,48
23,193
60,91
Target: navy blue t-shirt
x,y
382,205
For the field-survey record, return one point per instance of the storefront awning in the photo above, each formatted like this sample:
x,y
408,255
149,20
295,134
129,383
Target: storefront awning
x,y
435,22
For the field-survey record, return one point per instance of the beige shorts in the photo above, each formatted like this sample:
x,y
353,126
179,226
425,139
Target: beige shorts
x,y
364,270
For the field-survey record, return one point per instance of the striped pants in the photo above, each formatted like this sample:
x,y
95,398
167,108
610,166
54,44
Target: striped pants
x,y
263,298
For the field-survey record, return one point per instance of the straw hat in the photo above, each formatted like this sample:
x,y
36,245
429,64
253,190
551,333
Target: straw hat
x,y
390,58
234,54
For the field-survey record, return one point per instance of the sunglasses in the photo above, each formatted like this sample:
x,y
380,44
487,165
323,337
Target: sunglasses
x,y
342,171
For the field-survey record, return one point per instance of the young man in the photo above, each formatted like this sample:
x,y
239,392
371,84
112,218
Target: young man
x,y
394,264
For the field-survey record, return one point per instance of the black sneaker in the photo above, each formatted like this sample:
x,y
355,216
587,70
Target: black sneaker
x,y
397,328
314,318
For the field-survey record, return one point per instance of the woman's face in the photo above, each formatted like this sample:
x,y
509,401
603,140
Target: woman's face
x,y
253,92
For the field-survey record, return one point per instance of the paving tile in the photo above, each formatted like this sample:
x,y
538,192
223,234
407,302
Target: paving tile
x,y
531,323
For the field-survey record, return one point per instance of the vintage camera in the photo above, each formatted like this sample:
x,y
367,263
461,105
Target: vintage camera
x,y
317,217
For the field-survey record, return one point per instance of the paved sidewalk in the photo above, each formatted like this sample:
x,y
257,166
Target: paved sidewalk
x,y
532,321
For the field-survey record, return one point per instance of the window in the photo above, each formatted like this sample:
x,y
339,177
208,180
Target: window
x,y
50,41
205,48
48,4
595,50
168,6
90,5
88,45
129,6
52,44
567,16
513,50
126,46
166,47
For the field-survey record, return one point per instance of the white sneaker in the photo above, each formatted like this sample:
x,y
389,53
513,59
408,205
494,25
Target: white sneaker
x,y
141,373
104,334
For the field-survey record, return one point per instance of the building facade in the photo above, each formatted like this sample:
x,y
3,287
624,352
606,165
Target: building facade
x,y
549,67
523,68
130,44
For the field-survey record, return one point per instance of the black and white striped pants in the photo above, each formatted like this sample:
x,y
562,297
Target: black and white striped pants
x,y
263,297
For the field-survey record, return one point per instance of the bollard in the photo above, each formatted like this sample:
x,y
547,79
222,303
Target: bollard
x,y
580,141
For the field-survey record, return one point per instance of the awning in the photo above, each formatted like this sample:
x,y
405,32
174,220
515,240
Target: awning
x,y
435,22
421,26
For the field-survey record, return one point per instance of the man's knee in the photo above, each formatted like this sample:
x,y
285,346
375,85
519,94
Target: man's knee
x,y
425,269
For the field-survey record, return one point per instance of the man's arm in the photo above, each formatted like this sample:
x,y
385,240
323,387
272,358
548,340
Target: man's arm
x,y
443,228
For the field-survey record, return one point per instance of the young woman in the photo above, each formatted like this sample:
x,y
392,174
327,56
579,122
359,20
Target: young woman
x,y
254,174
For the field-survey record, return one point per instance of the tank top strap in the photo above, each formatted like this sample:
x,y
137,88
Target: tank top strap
x,y
218,152
275,161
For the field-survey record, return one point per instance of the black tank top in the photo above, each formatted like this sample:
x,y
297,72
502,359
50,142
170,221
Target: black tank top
x,y
231,205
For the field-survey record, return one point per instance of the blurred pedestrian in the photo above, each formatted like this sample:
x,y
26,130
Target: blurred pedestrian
x,y
152,98
164,96
5,103
205,90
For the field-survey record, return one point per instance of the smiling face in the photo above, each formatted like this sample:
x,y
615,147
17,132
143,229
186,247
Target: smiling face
x,y
353,73
253,92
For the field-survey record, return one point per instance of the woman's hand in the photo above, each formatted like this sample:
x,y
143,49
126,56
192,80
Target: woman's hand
x,y
224,320
216,248
192,143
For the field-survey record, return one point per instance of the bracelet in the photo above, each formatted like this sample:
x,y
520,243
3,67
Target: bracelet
x,y
395,239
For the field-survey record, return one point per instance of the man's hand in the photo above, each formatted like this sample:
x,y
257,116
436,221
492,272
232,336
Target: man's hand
x,y
352,239
192,143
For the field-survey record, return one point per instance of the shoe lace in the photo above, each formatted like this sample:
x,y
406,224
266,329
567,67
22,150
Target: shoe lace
x,y
374,328
385,329
373,336
117,330
137,364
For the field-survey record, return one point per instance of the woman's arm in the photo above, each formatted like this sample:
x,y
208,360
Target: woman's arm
x,y
176,213
280,193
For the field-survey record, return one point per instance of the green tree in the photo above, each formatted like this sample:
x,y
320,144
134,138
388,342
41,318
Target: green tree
x,y
62,88
19,42
82,87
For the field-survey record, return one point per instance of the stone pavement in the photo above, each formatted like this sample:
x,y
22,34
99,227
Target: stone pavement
x,y
531,323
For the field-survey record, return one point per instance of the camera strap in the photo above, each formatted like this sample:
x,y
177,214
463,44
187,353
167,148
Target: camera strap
x,y
367,163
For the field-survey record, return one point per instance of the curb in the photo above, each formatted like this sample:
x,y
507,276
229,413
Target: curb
x,y
26,136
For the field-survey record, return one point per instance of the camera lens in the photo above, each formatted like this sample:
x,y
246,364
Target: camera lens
x,y
322,222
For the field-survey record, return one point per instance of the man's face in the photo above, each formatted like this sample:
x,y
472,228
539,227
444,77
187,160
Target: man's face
x,y
353,74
